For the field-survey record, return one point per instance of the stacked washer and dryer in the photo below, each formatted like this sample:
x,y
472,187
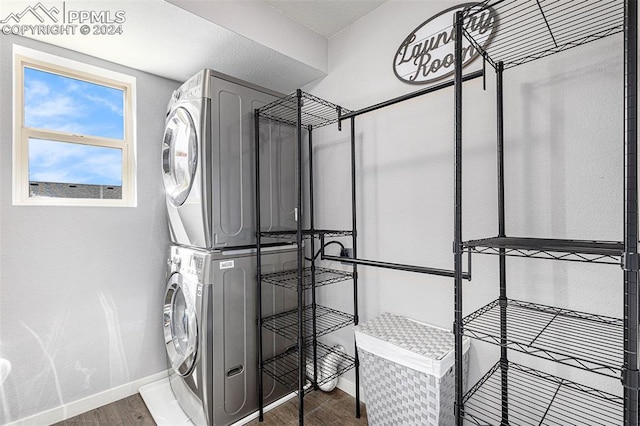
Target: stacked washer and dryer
x,y
210,305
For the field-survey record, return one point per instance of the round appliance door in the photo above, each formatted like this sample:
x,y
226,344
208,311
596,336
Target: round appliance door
x,y
180,326
179,156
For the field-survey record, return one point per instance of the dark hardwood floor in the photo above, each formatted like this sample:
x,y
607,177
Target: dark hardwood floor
x,y
336,408
127,411
321,409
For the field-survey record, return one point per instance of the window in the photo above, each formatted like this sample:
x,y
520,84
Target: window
x,y
73,133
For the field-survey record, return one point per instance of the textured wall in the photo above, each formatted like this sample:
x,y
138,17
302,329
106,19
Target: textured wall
x,y
81,287
563,125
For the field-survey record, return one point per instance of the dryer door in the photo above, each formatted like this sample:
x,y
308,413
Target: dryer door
x,y
179,156
180,326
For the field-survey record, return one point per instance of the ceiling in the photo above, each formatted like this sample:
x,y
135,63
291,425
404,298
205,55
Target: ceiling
x,y
325,17
278,44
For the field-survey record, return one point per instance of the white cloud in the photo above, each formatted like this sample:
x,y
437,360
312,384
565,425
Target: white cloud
x,y
69,127
114,107
71,85
34,89
54,107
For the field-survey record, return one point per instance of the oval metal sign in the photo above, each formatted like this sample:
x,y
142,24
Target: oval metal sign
x,y
426,55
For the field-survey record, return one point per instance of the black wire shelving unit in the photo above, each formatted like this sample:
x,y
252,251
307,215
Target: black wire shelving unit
x,y
607,252
283,368
321,277
306,233
579,339
304,370
539,398
533,29
527,30
327,321
304,324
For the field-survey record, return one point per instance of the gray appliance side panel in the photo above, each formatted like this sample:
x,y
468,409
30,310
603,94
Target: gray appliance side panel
x,y
239,348
233,167
278,147
232,163
234,345
234,342
210,74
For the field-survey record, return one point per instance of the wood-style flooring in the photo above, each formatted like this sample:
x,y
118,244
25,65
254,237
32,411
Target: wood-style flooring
x,y
127,411
335,408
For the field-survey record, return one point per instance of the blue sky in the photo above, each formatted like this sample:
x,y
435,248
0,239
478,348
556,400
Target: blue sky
x,y
51,161
54,102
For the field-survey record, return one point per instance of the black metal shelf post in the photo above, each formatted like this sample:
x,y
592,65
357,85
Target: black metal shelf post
x,y
302,362
354,242
314,333
504,359
256,118
457,217
630,379
509,393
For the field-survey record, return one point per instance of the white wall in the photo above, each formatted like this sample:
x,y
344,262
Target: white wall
x,y
563,164
81,288
267,26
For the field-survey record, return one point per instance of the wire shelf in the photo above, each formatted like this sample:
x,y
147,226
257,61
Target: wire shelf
x,y
532,29
323,276
283,368
537,398
327,320
315,112
586,341
306,233
608,252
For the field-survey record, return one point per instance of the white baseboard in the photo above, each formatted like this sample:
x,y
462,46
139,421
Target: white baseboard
x,y
89,403
349,387
268,408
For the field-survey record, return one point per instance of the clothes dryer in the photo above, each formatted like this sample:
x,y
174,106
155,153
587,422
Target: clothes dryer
x,y
208,164
210,330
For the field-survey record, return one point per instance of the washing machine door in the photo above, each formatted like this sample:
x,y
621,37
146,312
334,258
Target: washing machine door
x,y
179,155
180,326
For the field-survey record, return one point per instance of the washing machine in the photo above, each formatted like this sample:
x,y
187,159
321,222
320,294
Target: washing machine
x,y
208,164
210,330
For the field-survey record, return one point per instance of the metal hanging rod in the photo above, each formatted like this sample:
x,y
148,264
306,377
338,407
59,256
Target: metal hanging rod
x,y
396,266
430,89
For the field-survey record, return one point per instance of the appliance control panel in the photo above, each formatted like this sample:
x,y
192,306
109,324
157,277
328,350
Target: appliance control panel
x,y
195,264
190,89
188,262
192,265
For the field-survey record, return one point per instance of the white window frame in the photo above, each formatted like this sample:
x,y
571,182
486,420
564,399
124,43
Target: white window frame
x,y
25,57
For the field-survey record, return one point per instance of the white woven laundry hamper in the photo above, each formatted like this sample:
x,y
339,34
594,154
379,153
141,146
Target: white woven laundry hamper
x,y
407,371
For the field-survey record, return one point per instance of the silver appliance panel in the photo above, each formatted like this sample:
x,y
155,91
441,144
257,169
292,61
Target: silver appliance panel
x,y
222,386
184,173
233,167
219,211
